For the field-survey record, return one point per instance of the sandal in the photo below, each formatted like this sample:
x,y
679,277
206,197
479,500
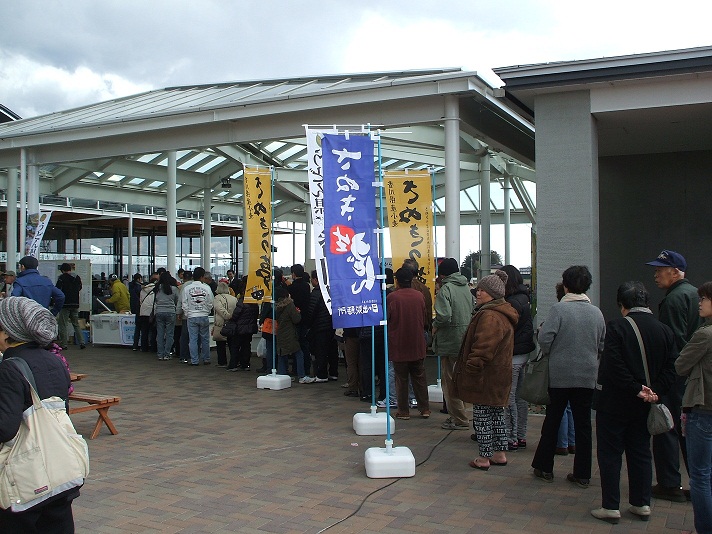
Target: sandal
x,y
481,467
403,416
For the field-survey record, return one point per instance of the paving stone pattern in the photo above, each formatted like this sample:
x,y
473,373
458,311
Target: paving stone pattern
x,y
200,450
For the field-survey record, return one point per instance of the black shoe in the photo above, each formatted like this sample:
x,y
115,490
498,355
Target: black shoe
x,y
668,494
82,347
351,394
366,398
546,477
443,410
581,482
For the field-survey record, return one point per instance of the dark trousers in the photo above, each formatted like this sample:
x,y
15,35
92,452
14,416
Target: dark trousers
x,y
366,368
177,330
304,344
414,370
580,399
240,351
144,327
184,341
666,447
326,353
221,349
52,518
623,432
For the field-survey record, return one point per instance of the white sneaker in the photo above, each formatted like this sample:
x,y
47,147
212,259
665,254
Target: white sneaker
x,y
643,512
307,380
413,403
321,380
604,514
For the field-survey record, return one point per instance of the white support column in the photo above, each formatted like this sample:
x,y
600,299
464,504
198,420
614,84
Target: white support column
x,y
245,237
452,177
11,193
129,250
171,213
207,229
308,250
485,218
23,201
507,219
33,189
294,243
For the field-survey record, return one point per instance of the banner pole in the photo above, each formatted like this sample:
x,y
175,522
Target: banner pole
x,y
437,265
271,261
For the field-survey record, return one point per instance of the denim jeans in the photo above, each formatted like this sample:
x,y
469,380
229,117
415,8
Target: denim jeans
x,y
165,322
567,433
282,363
199,339
392,385
515,414
69,317
699,455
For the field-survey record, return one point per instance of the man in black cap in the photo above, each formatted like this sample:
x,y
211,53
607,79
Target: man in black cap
x,y
31,284
678,310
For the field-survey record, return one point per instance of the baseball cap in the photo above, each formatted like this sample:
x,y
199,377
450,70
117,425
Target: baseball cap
x,y
669,258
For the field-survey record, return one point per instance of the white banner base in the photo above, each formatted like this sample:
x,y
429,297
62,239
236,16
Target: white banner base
x,y
373,424
274,381
389,462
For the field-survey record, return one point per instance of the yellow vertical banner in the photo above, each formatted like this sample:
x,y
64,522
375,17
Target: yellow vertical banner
x,y
410,219
258,225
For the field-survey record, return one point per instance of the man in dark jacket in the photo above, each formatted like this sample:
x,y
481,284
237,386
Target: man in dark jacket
x,y
26,327
71,285
299,290
678,310
322,341
31,284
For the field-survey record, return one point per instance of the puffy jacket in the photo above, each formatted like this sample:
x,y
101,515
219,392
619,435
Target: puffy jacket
x,y
245,316
288,316
31,284
119,296
135,296
453,311
299,290
147,299
524,331
70,284
224,305
317,317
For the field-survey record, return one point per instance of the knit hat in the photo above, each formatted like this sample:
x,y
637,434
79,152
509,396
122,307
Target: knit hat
x,y
448,266
494,284
24,319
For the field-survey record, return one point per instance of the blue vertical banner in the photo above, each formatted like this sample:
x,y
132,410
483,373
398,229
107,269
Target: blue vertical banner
x,y
349,227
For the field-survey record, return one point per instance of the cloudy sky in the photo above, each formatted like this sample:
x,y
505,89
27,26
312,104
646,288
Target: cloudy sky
x,y
59,54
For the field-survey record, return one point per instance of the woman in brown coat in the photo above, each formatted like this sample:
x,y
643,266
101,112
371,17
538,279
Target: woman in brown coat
x,y
483,372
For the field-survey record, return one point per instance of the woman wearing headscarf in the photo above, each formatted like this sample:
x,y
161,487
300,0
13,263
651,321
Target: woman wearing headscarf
x,y
25,328
572,335
483,371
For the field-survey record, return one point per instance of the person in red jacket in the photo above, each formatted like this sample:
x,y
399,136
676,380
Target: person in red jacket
x,y
407,316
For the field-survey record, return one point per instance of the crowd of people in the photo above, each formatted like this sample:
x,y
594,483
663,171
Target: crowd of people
x,y
484,336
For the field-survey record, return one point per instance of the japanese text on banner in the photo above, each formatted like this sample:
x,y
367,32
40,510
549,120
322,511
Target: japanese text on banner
x,y
349,224
258,224
316,201
410,218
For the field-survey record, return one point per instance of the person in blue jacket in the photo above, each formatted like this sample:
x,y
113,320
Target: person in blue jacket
x,y
31,284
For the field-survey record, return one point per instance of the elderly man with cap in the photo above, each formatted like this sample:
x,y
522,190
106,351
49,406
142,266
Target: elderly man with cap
x,y
31,284
10,277
453,311
25,328
678,310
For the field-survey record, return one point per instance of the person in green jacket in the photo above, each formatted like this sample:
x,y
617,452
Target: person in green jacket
x,y
678,310
453,311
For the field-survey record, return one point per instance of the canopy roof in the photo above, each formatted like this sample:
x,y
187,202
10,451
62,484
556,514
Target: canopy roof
x,y
112,156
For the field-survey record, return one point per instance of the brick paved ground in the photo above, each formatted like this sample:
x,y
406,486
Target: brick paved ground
x,y
203,450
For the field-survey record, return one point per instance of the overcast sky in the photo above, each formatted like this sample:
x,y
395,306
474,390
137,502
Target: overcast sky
x,y
55,55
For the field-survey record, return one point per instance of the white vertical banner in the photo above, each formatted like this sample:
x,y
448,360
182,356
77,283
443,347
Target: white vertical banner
x,y
315,172
36,225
